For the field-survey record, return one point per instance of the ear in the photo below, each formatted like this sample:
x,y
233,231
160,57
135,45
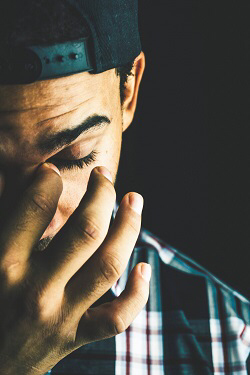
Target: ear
x,y
131,91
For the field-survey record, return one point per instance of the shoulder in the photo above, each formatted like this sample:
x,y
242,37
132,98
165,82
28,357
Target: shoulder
x,y
191,280
197,318
178,282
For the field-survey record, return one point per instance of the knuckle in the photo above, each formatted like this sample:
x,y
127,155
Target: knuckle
x,y
117,324
12,271
40,202
45,309
39,309
111,268
44,302
87,228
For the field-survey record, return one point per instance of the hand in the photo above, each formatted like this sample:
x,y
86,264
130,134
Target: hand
x,y
46,297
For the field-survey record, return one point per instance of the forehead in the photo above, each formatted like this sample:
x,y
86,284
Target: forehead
x,y
53,95
29,111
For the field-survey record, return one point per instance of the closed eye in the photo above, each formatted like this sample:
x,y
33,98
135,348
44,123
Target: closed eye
x,y
69,164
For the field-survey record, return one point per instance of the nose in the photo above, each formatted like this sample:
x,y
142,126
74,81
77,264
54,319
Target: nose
x,y
54,225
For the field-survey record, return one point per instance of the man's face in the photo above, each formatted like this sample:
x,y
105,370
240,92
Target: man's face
x,y
31,115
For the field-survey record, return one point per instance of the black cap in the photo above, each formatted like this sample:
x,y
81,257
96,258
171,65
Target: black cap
x,y
114,41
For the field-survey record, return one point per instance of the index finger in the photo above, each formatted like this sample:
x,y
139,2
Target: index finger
x,y
29,220
82,234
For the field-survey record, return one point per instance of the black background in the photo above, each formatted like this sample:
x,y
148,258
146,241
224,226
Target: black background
x,y
187,151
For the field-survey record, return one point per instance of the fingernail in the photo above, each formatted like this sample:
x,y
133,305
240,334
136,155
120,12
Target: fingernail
x,y
136,201
52,166
105,172
146,271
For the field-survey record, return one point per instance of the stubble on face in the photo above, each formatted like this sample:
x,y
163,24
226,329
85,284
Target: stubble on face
x,y
42,244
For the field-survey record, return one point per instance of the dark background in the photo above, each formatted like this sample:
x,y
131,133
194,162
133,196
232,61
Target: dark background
x,y
187,151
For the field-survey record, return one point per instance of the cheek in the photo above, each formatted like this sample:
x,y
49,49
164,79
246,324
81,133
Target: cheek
x,y
112,146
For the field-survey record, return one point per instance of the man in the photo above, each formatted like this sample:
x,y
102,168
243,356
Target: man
x,y
74,283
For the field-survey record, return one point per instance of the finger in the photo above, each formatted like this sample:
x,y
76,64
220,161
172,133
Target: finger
x,y
30,219
83,233
109,262
115,317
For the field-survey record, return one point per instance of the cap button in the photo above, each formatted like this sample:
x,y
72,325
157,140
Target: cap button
x,y
61,58
75,56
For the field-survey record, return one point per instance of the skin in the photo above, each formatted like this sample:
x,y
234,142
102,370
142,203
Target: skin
x,y
67,217
69,99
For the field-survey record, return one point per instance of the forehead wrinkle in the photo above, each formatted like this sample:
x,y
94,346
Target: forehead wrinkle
x,y
10,122
77,100
51,120
13,111
47,94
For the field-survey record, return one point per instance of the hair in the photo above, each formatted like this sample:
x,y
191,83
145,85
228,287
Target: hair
x,y
47,22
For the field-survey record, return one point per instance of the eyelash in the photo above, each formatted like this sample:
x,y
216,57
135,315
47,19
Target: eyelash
x,y
67,164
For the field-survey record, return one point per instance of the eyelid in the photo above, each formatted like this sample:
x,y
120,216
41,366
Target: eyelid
x,y
68,154
68,164
76,150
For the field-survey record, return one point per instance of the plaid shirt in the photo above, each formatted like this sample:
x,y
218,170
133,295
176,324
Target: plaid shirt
x,y
192,324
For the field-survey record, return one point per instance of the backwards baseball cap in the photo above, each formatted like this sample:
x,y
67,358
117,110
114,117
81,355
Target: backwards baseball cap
x,y
113,41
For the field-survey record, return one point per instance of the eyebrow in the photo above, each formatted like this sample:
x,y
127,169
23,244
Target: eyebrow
x,y
49,143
